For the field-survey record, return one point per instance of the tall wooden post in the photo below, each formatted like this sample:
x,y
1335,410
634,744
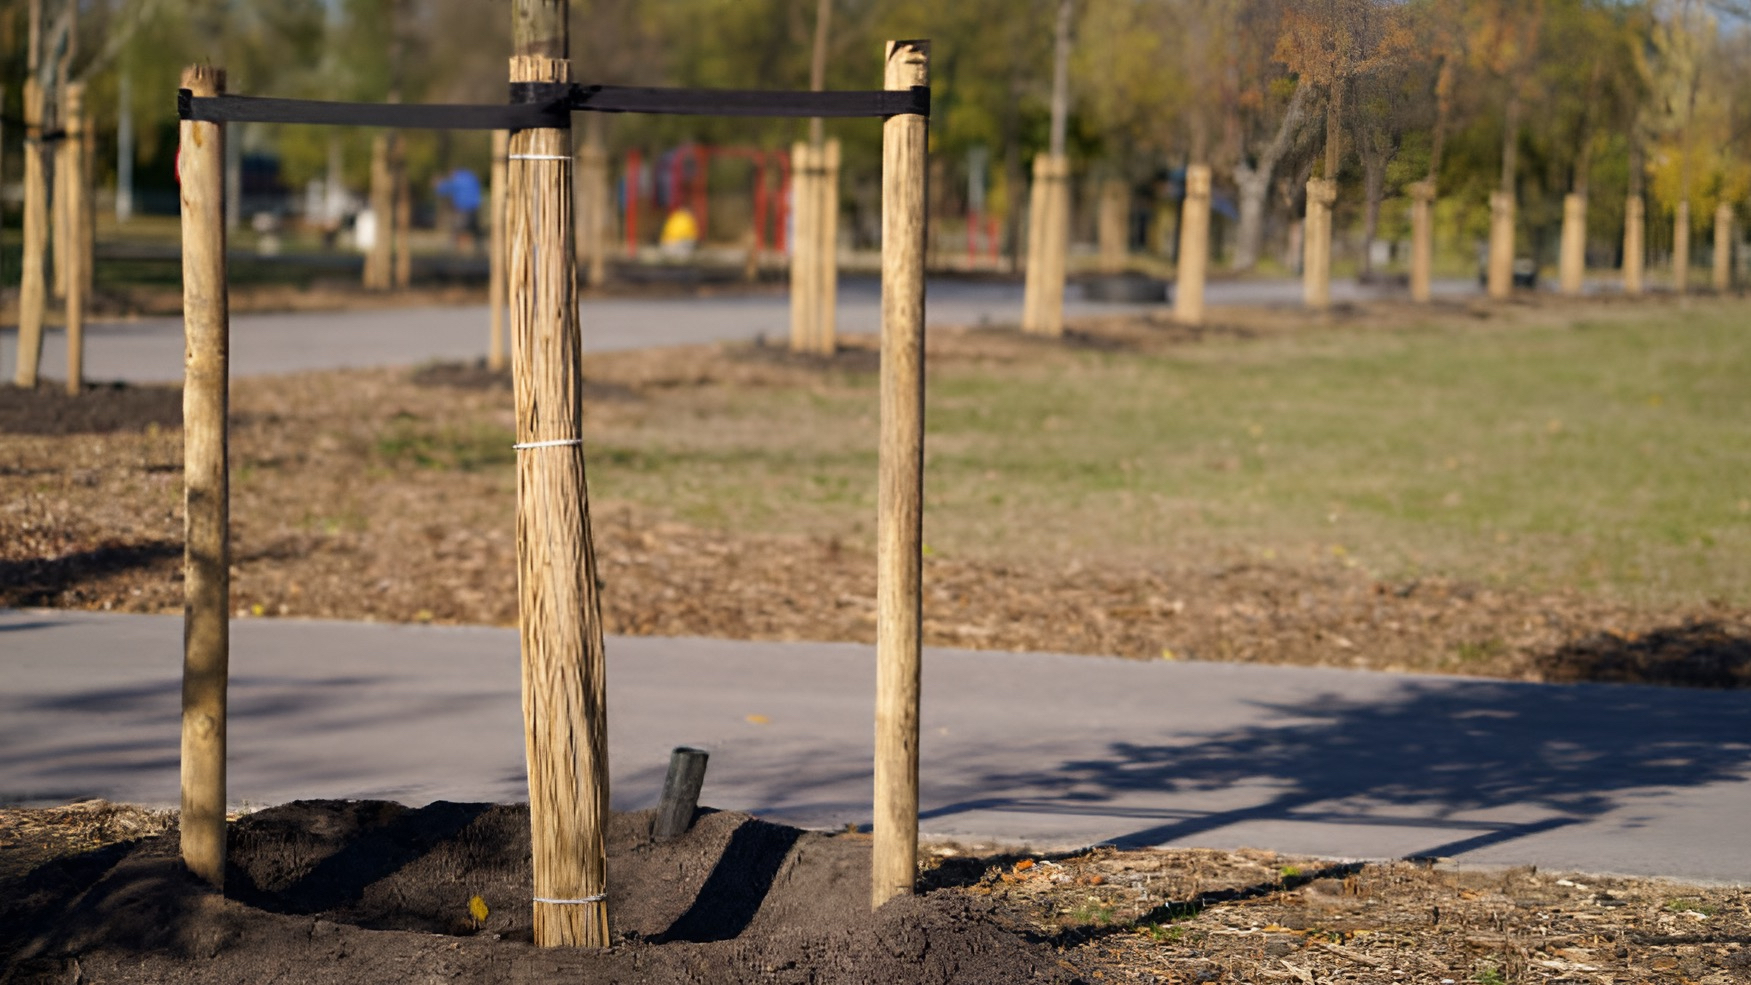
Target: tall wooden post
x,y
1113,225
1723,265
805,280
1194,247
1499,273
380,257
403,213
825,339
564,680
1681,247
32,286
61,233
1048,246
1572,257
495,261
206,493
593,204
899,523
76,211
1316,243
1634,244
1422,240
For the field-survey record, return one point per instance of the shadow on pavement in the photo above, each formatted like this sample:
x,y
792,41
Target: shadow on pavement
x,y
1434,753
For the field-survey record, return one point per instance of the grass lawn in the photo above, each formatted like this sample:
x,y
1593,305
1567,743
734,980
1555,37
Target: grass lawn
x,y
1610,454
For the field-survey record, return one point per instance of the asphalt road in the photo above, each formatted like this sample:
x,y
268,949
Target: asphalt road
x,y
1035,749
150,350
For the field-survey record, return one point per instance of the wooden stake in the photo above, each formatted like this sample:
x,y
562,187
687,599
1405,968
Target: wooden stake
x,y
1049,242
805,280
61,233
1634,244
1499,272
403,214
206,496
1034,280
1114,229
1316,244
31,286
1194,247
1422,239
495,261
1681,247
564,679
593,203
1572,254
76,225
824,338
900,517
379,260
1723,265
680,793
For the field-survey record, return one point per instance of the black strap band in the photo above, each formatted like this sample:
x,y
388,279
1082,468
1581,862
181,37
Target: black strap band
x,y
549,105
261,109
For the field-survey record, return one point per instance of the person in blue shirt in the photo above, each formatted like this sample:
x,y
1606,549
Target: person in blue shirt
x,y
462,189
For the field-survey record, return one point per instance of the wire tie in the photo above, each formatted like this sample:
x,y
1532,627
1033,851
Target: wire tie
x,y
599,897
537,157
555,443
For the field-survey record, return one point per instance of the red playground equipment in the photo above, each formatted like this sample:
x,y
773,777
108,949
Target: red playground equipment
x,y
683,173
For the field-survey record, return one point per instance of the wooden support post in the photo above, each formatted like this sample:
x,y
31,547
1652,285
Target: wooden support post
x,y
495,260
1723,265
1681,247
1049,246
1194,247
75,210
206,493
32,286
88,207
403,213
825,338
61,232
593,204
379,259
1499,272
564,672
1422,239
900,492
1572,256
1634,245
805,280
680,793
1114,227
1316,244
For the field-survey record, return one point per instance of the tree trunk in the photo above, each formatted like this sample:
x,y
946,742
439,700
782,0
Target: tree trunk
x,y
1254,182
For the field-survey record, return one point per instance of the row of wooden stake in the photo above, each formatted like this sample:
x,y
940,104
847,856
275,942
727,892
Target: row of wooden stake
x,y
564,691
1048,244
72,221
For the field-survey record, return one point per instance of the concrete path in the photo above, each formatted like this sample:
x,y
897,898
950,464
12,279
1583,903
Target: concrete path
x,y
1052,751
150,350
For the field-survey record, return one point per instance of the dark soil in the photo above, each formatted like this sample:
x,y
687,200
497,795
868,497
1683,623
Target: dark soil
x,y
103,408
370,892
363,892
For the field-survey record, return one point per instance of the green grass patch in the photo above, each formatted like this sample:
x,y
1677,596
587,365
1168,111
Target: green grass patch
x,y
1607,456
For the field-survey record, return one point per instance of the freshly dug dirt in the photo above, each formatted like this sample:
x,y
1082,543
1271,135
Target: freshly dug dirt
x,y
365,892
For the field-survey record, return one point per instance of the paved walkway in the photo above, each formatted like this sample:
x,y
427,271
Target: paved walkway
x,y
1052,751
150,350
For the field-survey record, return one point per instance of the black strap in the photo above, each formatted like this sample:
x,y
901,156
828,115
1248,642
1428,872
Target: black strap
x,y
261,109
549,105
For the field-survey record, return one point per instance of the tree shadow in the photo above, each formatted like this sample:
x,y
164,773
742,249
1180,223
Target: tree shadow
x,y
40,581
1698,653
1440,755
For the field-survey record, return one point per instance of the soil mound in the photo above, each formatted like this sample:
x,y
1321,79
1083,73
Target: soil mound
x,y
102,408
363,891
